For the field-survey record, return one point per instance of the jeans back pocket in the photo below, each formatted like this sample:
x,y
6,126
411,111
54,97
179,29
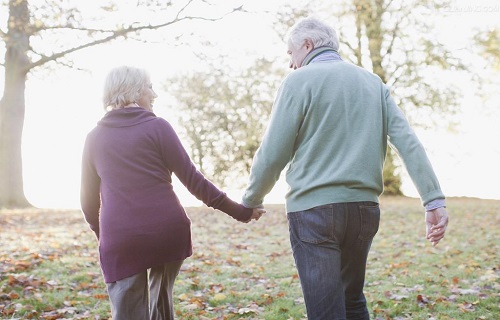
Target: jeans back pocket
x,y
369,221
315,225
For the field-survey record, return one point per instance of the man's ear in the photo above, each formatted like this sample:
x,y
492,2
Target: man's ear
x,y
309,45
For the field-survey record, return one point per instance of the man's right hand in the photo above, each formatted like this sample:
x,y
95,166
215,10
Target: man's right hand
x,y
257,213
436,223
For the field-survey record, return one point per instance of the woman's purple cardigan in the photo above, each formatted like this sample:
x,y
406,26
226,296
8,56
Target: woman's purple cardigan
x,y
127,196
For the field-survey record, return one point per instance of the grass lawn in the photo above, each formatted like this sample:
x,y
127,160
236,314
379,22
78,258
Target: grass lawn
x,y
49,269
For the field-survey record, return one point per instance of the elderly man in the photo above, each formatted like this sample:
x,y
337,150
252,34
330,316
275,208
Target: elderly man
x,y
331,124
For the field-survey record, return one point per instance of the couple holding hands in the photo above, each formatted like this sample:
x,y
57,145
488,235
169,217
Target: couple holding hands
x,y
330,125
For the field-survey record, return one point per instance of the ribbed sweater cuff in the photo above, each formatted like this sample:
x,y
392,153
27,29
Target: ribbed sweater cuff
x,y
434,204
235,210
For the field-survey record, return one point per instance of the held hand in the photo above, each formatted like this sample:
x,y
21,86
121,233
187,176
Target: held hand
x,y
436,222
257,213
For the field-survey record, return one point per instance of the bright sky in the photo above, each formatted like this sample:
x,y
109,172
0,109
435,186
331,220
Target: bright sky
x,y
64,104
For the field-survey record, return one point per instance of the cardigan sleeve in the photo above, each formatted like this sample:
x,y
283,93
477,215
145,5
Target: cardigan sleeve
x,y
179,162
90,199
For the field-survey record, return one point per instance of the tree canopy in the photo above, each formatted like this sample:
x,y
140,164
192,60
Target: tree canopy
x,y
224,113
389,38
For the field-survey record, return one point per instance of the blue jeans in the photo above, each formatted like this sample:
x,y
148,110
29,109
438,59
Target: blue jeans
x,y
330,245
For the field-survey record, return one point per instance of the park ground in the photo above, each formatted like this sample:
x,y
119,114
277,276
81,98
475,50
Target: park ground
x,y
49,266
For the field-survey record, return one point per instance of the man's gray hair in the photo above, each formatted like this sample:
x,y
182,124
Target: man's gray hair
x,y
123,86
315,30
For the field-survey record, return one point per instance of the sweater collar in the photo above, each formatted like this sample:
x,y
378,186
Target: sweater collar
x,y
126,117
321,54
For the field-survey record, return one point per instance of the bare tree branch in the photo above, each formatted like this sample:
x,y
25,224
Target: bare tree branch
x,y
122,33
387,5
70,65
345,42
395,34
58,55
69,27
394,77
177,18
353,50
119,33
183,8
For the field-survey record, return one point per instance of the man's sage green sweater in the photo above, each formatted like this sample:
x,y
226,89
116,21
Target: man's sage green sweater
x,y
331,123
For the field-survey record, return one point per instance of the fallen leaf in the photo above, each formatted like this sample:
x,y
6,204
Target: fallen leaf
x,y
422,300
219,296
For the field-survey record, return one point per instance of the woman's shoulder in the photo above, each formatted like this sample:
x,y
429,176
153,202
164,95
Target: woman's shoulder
x,y
163,127
162,123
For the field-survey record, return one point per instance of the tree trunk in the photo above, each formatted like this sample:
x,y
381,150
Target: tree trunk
x,y
12,107
369,14
375,34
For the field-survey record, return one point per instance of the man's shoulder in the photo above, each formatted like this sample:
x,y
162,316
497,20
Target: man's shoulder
x,y
348,67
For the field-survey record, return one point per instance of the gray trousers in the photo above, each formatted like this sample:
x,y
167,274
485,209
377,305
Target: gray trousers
x,y
145,296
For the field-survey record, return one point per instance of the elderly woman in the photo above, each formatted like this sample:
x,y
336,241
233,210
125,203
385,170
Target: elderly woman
x,y
128,200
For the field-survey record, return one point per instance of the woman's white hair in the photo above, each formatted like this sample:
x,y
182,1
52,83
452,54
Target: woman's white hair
x,y
123,86
315,30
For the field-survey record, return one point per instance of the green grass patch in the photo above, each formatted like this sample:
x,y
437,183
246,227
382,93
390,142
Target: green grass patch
x,y
49,266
